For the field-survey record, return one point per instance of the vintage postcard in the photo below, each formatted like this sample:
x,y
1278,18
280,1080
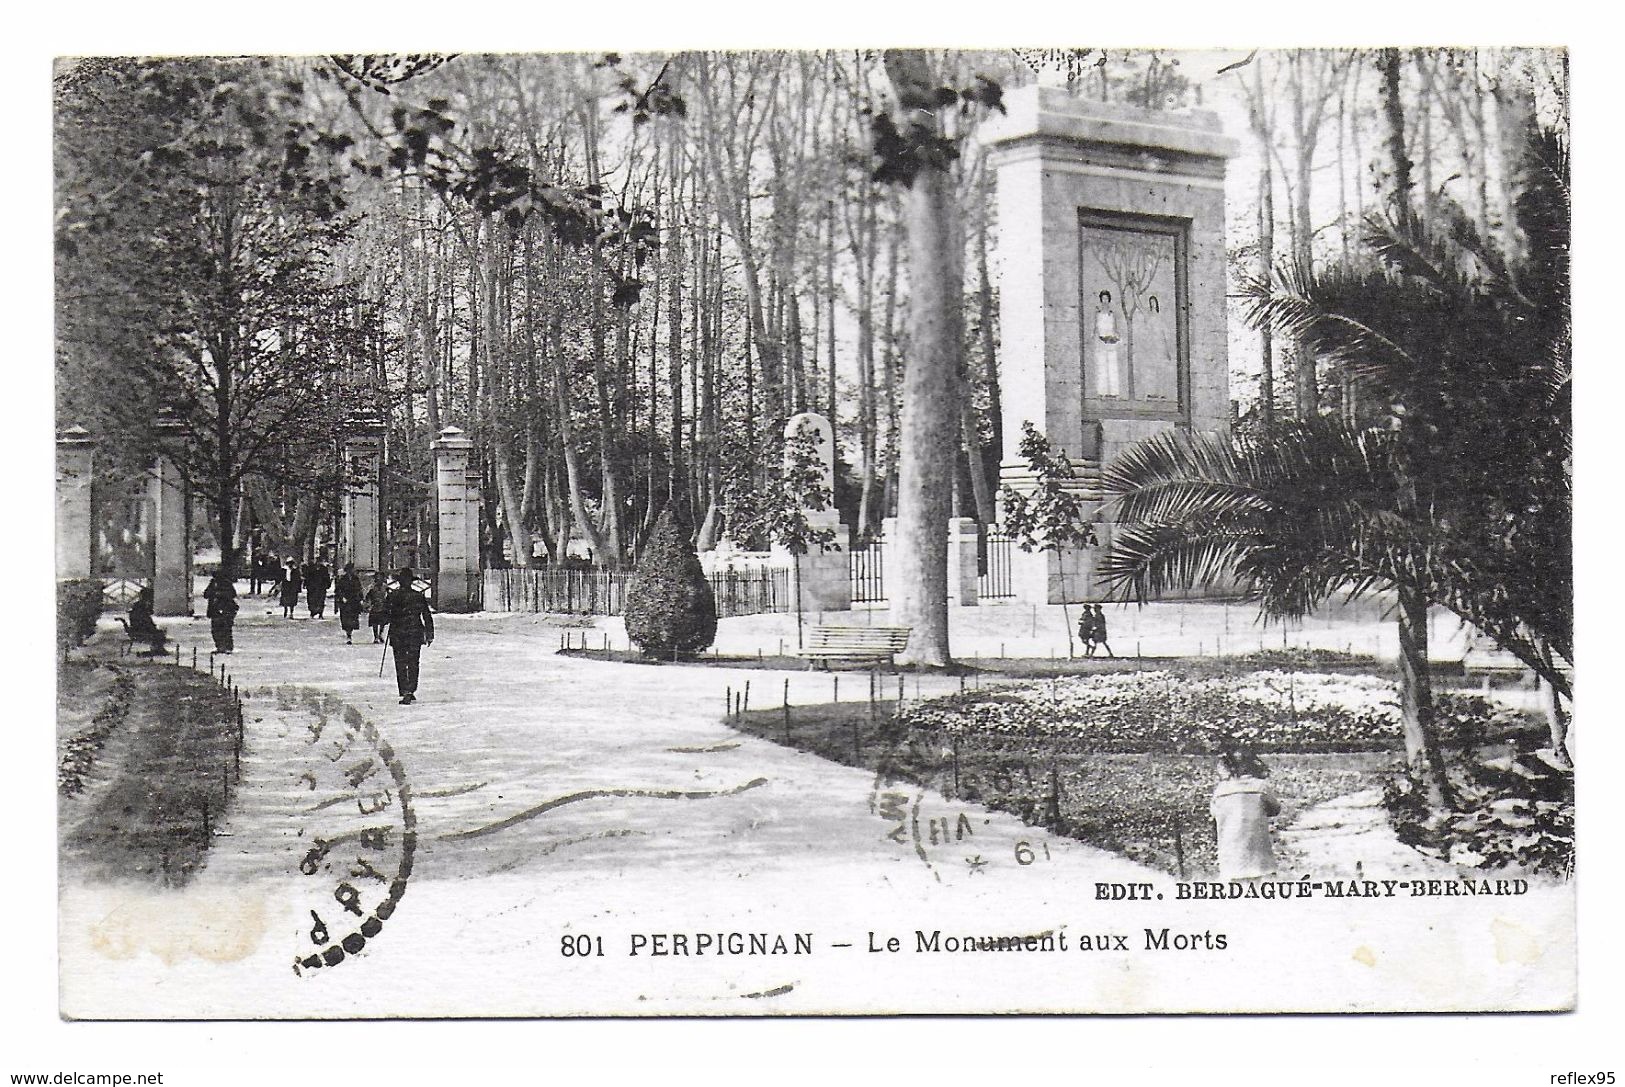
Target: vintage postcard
x,y
842,532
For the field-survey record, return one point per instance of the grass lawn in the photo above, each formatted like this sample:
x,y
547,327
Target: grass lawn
x,y
146,769
598,646
1152,808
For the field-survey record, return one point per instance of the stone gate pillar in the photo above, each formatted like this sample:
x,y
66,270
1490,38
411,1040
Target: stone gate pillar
x,y
171,531
963,579
457,568
362,520
75,539
1111,290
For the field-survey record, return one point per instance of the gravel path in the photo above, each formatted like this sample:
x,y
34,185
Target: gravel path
x,y
554,803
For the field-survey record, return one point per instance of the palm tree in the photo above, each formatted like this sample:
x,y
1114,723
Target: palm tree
x,y
1450,485
1291,517
1467,350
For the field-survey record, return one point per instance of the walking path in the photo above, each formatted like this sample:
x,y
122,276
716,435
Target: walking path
x,y
1351,835
549,798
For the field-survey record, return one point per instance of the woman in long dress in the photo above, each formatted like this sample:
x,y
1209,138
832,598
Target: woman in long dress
x,y
289,595
222,597
1107,381
347,595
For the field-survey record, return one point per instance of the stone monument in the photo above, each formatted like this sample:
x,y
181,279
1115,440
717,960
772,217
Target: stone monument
x,y
1111,291
824,574
457,495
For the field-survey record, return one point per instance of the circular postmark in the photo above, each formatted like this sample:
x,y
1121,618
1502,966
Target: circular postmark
x,y
357,816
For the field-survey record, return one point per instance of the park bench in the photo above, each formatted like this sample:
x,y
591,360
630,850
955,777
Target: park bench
x,y
859,644
154,641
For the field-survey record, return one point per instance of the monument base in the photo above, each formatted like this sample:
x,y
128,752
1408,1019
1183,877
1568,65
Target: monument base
x,y
820,580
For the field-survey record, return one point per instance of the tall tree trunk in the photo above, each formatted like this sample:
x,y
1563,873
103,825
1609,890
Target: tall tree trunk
x,y
889,379
930,415
988,338
1266,274
1422,749
676,488
1393,109
1514,113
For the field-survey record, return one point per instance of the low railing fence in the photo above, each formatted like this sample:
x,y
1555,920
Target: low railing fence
x,y
602,590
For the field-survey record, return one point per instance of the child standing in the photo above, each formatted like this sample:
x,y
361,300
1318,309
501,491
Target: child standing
x,y
377,617
1242,806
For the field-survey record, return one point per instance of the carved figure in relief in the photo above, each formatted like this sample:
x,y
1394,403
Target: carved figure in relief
x,y
1106,364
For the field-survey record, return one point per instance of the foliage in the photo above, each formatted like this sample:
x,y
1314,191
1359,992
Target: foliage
x,y
902,150
777,510
1462,354
670,609
1293,515
78,606
198,214
1308,658
1512,814
426,141
145,818
1051,516
1150,807
380,71
1159,711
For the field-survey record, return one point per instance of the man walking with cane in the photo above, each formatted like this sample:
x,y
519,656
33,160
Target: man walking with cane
x,y
411,627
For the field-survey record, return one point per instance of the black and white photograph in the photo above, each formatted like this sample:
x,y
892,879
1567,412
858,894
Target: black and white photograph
x,y
738,533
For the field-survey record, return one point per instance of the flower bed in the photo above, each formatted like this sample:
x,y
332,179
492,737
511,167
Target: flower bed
x,y
1161,711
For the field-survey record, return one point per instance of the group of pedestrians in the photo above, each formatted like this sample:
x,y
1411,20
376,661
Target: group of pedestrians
x,y
1092,631
313,579
401,608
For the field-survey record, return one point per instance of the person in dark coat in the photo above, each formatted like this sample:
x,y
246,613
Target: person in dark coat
x,y
288,594
347,595
377,592
317,581
142,628
1101,638
411,627
256,573
222,597
1086,631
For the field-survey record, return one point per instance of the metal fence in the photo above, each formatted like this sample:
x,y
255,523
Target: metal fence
x,y
120,592
993,581
866,567
602,590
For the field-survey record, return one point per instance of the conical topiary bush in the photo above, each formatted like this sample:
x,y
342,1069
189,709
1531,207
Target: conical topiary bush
x,y
669,606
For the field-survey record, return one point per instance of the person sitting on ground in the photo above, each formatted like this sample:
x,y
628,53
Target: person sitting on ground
x,y
141,626
1242,806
